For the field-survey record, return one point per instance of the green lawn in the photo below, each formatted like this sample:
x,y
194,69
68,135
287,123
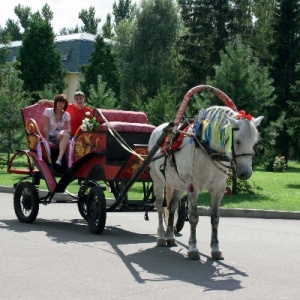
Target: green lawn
x,y
273,191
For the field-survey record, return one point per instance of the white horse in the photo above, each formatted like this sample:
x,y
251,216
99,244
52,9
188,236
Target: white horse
x,y
191,169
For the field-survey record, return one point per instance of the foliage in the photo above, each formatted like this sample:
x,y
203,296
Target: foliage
x,y
24,15
107,28
146,49
101,96
89,20
102,62
248,84
279,164
263,16
12,29
285,54
162,108
124,10
12,100
66,31
293,120
38,49
49,92
4,49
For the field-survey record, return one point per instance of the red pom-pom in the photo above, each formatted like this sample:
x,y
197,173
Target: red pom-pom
x,y
229,192
191,188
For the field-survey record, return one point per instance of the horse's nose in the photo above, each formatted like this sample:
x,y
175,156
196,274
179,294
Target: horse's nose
x,y
244,175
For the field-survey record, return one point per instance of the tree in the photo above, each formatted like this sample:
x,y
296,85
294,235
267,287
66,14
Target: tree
x,y
241,77
13,30
24,14
285,52
124,10
206,34
4,49
146,48
293,121
263,16
66,31
12,100
102,62
100,96
89,20
40,61
107,28
248,84
163,107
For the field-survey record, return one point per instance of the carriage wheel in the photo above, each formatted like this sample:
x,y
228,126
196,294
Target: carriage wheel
x,y
82,199
179,215
26,202
96,210
116,189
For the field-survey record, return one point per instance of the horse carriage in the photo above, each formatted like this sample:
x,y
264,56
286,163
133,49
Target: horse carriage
x,y
184,159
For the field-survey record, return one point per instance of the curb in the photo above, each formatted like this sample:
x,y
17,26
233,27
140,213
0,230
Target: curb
x,y
251,213
202,210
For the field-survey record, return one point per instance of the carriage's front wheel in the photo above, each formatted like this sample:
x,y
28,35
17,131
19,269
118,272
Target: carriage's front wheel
x,y
26,202
82,198
96,210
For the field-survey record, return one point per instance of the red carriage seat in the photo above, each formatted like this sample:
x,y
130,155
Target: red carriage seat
x,y
124,121
34,126
132,126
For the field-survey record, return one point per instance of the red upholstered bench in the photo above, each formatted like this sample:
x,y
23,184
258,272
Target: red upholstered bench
x,y
132,126
124,121
34,126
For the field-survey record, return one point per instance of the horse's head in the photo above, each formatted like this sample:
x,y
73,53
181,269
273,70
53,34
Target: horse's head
x,y
244,137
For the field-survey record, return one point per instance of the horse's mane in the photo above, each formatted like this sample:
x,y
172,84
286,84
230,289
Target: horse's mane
x,y
212,124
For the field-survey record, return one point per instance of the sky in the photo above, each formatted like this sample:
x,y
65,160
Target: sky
x,y
65,12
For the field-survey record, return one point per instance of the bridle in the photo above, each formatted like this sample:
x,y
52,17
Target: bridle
x,y
234,155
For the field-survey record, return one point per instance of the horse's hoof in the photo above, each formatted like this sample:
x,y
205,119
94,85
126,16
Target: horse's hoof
x,y
161,243
171,243
194,255
217,255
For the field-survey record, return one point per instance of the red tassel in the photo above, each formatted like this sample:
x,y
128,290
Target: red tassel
x,y
229,192
191,188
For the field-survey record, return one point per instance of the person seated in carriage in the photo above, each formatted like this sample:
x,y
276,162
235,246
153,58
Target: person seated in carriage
x,y
57,125
77,110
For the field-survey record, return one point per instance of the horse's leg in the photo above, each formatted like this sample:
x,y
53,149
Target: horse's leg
x,y
158,189
216,198
193,252
172,197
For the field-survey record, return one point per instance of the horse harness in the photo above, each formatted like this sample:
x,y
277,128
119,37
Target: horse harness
x,y
216,157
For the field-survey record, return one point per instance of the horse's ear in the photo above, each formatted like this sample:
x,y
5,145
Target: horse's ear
x,y
233,122
256,121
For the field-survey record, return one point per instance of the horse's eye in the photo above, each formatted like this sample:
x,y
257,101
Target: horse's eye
x,y
237,142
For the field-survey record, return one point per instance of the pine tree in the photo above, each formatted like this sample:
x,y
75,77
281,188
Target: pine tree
x,y
249,85
40,61
285,52
102,62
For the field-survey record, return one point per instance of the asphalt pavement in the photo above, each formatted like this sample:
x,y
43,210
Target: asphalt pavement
x,y
56,257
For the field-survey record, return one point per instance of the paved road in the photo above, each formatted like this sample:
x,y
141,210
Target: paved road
x,y
57,258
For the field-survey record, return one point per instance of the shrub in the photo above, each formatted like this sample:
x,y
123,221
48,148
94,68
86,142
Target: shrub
x,y
279,164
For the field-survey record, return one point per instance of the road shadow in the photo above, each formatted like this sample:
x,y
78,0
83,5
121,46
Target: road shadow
x,y
147,262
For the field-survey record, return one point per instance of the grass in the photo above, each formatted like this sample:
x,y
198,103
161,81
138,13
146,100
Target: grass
x,y
272,190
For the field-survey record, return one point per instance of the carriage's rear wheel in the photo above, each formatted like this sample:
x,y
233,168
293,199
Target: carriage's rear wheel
x,y
26,202
96,210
